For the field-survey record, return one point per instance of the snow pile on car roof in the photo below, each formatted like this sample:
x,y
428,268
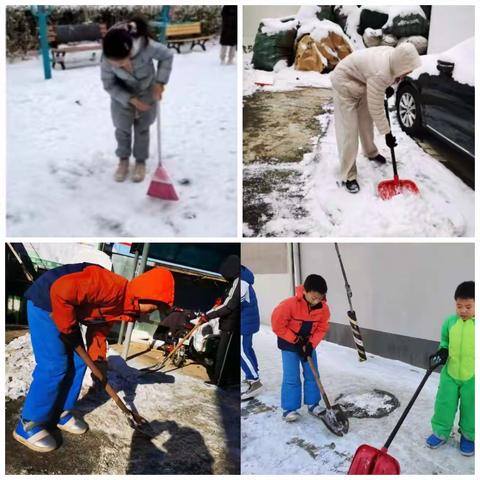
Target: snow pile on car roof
x,y
461,55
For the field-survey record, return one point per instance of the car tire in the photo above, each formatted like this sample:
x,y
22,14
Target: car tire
x,y
409,112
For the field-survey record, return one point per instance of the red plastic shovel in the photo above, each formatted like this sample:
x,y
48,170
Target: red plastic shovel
x,y
389,188
373,461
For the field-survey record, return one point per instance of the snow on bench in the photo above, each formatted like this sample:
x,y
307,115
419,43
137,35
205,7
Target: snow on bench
x,y
65,39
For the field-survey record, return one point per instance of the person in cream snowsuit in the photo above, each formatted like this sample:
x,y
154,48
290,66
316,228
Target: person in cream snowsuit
x,y
359,82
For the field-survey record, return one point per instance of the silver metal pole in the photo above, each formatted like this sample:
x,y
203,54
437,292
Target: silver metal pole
x,y
128,334
297,265
134,270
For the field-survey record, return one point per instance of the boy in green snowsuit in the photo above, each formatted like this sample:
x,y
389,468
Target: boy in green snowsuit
x,y
457,379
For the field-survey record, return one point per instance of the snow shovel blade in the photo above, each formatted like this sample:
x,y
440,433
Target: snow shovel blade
x,y
372,461
389,188
335,420
137,422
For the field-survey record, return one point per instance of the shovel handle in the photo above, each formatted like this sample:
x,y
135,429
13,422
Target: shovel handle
x,y
392,150
319,383
82,353
409,406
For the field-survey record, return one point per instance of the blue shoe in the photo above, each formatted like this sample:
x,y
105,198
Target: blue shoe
x,y
434,442
467,447
316,410
290,415
69,423
34,436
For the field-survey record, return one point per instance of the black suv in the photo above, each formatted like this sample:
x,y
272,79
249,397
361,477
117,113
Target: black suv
x,y
436,97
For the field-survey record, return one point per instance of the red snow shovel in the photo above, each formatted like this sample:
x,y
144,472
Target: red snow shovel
x,y
389,188
161,185
372,461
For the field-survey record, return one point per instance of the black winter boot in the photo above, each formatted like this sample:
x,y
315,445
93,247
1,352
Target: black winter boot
x,y
380,159
352,186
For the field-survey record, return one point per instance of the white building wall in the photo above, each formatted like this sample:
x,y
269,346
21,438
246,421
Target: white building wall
x,y
449,25
271,290
272,266
405,289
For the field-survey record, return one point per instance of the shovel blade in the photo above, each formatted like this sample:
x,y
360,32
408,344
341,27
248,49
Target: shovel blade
x,y
141,425
372,461
389,188
335,420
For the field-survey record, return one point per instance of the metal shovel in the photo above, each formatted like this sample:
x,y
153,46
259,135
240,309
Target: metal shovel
x,y
333,416
135,420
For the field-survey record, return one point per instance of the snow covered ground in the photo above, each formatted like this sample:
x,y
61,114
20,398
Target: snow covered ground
x,y
272,446
283,78
196,425
444,208
60,154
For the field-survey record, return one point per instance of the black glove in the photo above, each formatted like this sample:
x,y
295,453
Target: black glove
x,y
304,348
389,92
308,351
390,140
73,339
102,365
440,357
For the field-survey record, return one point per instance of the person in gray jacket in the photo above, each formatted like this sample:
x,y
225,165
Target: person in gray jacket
x,y
135,86
359,82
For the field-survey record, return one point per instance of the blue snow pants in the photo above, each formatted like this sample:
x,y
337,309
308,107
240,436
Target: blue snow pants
x,y
58,375
248,360
292,385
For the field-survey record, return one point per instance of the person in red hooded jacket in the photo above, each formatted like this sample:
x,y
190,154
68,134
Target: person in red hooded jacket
x,y
300,323
58,302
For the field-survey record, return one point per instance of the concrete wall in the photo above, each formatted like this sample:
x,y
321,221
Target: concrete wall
x,y
271,264
449,25
401,292
252,15
401,288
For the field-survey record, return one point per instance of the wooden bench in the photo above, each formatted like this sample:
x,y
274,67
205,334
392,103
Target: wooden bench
x,y
180,33
65,39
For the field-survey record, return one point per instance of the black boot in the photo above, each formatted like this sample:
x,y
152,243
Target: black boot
x,y
352,186
380,159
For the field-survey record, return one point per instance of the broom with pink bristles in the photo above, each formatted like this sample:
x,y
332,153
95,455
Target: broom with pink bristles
x,y
161,185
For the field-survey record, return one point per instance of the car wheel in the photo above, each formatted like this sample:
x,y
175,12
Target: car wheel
x,y
409,112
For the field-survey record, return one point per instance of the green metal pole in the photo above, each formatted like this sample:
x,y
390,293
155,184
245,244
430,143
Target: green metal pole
x,y
42,13
164,19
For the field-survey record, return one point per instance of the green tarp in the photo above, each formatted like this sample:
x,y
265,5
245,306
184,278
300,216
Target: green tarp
x,y
271,48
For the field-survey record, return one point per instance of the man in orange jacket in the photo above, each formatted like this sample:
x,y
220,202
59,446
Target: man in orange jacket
x,y
300,323
58,302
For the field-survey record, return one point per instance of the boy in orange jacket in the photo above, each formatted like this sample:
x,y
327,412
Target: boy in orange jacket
x,y
59,301
300,323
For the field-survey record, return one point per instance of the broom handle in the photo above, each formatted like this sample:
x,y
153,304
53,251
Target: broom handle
x,y
409,406
392,150
319,383
159,137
